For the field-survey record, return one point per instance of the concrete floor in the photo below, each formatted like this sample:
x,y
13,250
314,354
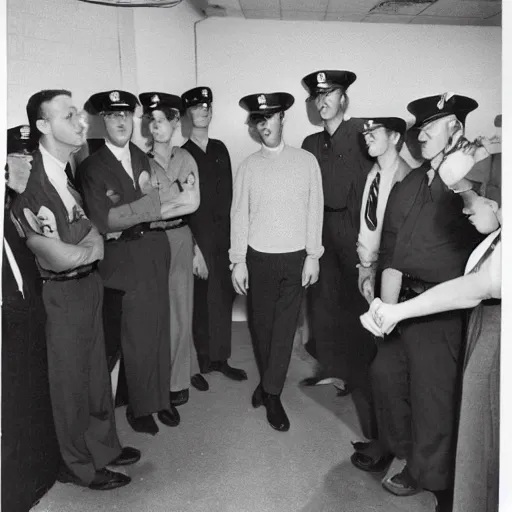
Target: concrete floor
x,y
224,457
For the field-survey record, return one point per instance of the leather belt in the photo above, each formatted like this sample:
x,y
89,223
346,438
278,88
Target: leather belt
x,y
135,232
165,225
328,209
76,274
412,287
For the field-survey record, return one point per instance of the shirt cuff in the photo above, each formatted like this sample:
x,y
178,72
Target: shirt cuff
x,y
315,253
236,257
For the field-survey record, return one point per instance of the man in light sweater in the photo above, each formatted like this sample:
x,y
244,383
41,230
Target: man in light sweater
x,y
276,242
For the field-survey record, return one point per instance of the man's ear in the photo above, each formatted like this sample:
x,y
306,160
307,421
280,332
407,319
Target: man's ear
x,y
43,126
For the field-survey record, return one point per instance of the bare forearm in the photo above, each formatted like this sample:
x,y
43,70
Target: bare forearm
x,y
461,293
58,256
391,283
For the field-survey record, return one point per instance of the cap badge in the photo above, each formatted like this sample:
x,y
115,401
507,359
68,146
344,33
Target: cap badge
x,y
25,132
320,78
444,98
262,101
114,96
155,99
368,125
204,92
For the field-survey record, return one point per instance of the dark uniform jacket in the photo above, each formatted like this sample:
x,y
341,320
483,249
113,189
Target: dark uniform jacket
x,y
97,174
210,223
41,199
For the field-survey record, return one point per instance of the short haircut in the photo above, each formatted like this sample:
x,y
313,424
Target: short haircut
x,y
169,112
35,106
401,138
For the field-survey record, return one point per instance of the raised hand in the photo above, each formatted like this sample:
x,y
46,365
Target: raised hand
x,y
18,171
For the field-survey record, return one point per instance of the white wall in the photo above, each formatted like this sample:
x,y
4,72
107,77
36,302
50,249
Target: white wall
x,y
164,45
66,44
394,63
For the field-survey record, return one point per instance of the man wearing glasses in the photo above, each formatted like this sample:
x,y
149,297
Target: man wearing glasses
x,y
176,166
335,301
122,201
210,225
67,248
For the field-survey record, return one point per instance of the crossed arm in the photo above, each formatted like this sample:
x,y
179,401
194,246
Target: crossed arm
x,y
58,256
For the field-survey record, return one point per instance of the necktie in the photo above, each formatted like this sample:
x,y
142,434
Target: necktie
x,y
69,174
127,165
370,214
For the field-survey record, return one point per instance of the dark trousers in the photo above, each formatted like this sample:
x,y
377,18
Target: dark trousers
x,y
145,328
359,379
80,388
415,383
275,294
336,304
30,453
213,307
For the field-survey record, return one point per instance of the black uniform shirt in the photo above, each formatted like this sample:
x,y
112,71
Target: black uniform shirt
x,y
210,223
344,164
425,234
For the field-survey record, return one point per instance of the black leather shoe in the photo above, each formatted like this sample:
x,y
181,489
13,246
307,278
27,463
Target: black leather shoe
x,y
106,480
169,417
276,414
178,398
199,382
143,424
369,464
257,397
128,456
230,372
343,392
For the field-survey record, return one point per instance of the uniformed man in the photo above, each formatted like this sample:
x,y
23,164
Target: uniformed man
x,y
67,248
210,225
121,200
175,165
427,239
276,242
383,137
335,301
27,422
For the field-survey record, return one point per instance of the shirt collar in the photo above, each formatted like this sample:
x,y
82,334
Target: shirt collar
x,y
272,152
118,152
390,169
47,155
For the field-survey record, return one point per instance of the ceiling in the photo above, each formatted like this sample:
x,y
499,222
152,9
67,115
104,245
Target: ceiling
x,y
431,12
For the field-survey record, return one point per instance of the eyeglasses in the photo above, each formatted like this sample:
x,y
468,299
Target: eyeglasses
x,y
121,115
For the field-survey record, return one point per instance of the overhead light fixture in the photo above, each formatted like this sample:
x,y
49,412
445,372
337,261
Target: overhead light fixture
x,y
396,5
135,3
